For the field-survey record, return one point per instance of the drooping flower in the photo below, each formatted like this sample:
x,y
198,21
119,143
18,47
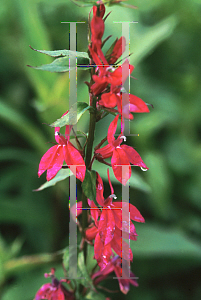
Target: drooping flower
x,y
97,29
115,265
53,159
107,228
54,290
118,49
128,103
121,154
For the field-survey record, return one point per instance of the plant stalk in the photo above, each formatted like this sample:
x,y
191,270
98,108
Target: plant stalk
x,y
90,140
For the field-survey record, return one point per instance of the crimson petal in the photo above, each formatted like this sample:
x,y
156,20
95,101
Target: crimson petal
x,y
118,160
134,156
106,226
73,158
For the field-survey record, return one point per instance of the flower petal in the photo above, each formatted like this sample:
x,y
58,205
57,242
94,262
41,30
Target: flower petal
x,y
119,159
137,105
108,100
105,151
99,190
121,247
106,226
73,158
55,164
51,161
112,129
134,156
91,233
46,160
102,253
134,212
117,50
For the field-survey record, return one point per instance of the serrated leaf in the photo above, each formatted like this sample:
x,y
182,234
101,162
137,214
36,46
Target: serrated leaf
x,y
60,53
60,65
89,185
61,175
73,116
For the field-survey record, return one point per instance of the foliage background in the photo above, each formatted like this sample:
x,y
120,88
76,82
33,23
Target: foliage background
x,y
166,53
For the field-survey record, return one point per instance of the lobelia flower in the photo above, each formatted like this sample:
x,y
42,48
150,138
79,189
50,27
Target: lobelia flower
x,y
53,290
108,228
52,160
115,265
129,103
97,29
105,77
117,50
121,155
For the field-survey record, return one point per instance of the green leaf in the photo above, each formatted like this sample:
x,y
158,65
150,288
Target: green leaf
x,y
60,65
89,185
83,269
109,51
146,41
82,273
60,53
94,296
26,263
157,241
22,126
73,116
61,175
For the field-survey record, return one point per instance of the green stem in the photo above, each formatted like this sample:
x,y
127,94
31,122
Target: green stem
x,y
90,140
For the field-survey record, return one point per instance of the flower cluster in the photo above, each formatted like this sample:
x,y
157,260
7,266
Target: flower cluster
x,y
52,160
105,227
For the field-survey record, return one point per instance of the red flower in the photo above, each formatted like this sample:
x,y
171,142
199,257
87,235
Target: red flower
x,y
108,228
52,160
115,265
129,103
50,292
97,26
117,50
54,290
121,155
97,30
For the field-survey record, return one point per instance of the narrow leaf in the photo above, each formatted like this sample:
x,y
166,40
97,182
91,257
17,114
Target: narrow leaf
x,y
61,53
61,175
60,65
89,185
73,116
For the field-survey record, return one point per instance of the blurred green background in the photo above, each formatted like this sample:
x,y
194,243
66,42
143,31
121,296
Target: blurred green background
x,y
166,53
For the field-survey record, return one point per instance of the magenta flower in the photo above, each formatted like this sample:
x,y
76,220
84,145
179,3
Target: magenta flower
x,y
107,230
117,50
54,290
53,159
50,292
130,103
115,265
121,155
